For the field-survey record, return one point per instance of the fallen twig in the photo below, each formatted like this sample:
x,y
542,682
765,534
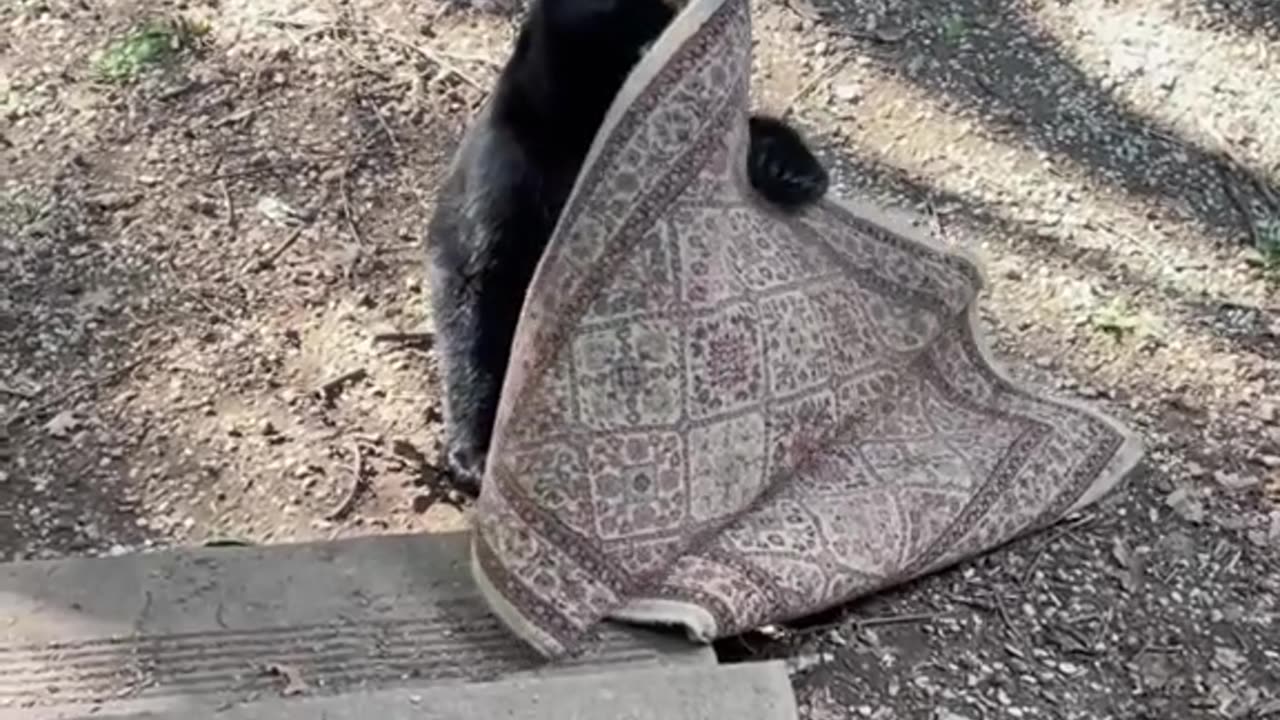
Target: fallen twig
x,y
1004,618
348,502
804,9
975,603
1102,628
14,392
256,264
431,54
890,36
72,392
1035,560
235,117
348,214
816,80
193,406
424,339
1229,185
331,387
894,620
231,208
386,128
860,623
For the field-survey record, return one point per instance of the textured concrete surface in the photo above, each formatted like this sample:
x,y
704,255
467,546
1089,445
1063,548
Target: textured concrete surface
x,y
757,691
216,627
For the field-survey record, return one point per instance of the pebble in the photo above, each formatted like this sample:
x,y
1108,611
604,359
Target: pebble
x,y
847,92
1228,658
1234,481
1069,669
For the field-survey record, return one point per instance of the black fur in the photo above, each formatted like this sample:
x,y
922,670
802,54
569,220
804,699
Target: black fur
x,y
498,207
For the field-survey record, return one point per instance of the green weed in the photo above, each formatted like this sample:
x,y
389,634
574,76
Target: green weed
x,y
19,212
954,30
148,45
1120,320
1267,233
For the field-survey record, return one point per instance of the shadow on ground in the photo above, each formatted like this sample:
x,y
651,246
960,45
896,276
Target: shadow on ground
x,y
153,309
1247,16
990,58
146,296
1063,623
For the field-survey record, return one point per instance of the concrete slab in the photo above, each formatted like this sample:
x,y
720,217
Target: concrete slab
x,y
756,691
111,636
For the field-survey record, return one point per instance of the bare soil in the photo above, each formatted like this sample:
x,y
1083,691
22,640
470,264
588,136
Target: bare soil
x,y
213,326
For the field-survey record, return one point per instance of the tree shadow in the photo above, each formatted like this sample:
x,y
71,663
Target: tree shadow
x,y
142,293
1247,16
64,470
141,284
991,59
1031,247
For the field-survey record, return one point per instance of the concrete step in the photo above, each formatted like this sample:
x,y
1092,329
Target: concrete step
x,y
757,691
215,627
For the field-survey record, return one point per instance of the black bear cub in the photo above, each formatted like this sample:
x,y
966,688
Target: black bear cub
x,y
511,177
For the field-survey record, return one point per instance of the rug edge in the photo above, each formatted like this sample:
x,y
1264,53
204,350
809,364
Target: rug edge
x,y
907,224
515,621
699,625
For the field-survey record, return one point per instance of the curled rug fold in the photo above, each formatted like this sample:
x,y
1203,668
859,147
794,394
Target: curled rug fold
x,y
719,417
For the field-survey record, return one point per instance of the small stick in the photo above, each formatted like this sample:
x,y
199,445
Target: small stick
x,y
885,37
860,623
804,9
231,208
347,213
332,386
1070,528
407,338
808,87
269,260
1004,618
1229,185
386,128
1102,628
193,406
73,391
973,603
20,394
348,502
432,55
895,620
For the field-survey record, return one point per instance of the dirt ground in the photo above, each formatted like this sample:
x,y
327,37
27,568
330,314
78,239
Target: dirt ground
x,y
213,327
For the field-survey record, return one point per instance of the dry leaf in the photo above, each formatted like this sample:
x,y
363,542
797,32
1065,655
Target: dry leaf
x,y
1267,709
1187,507
294,684
805,9
1130,576
1228,658
1234,481
63,424
280,211
1120,551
